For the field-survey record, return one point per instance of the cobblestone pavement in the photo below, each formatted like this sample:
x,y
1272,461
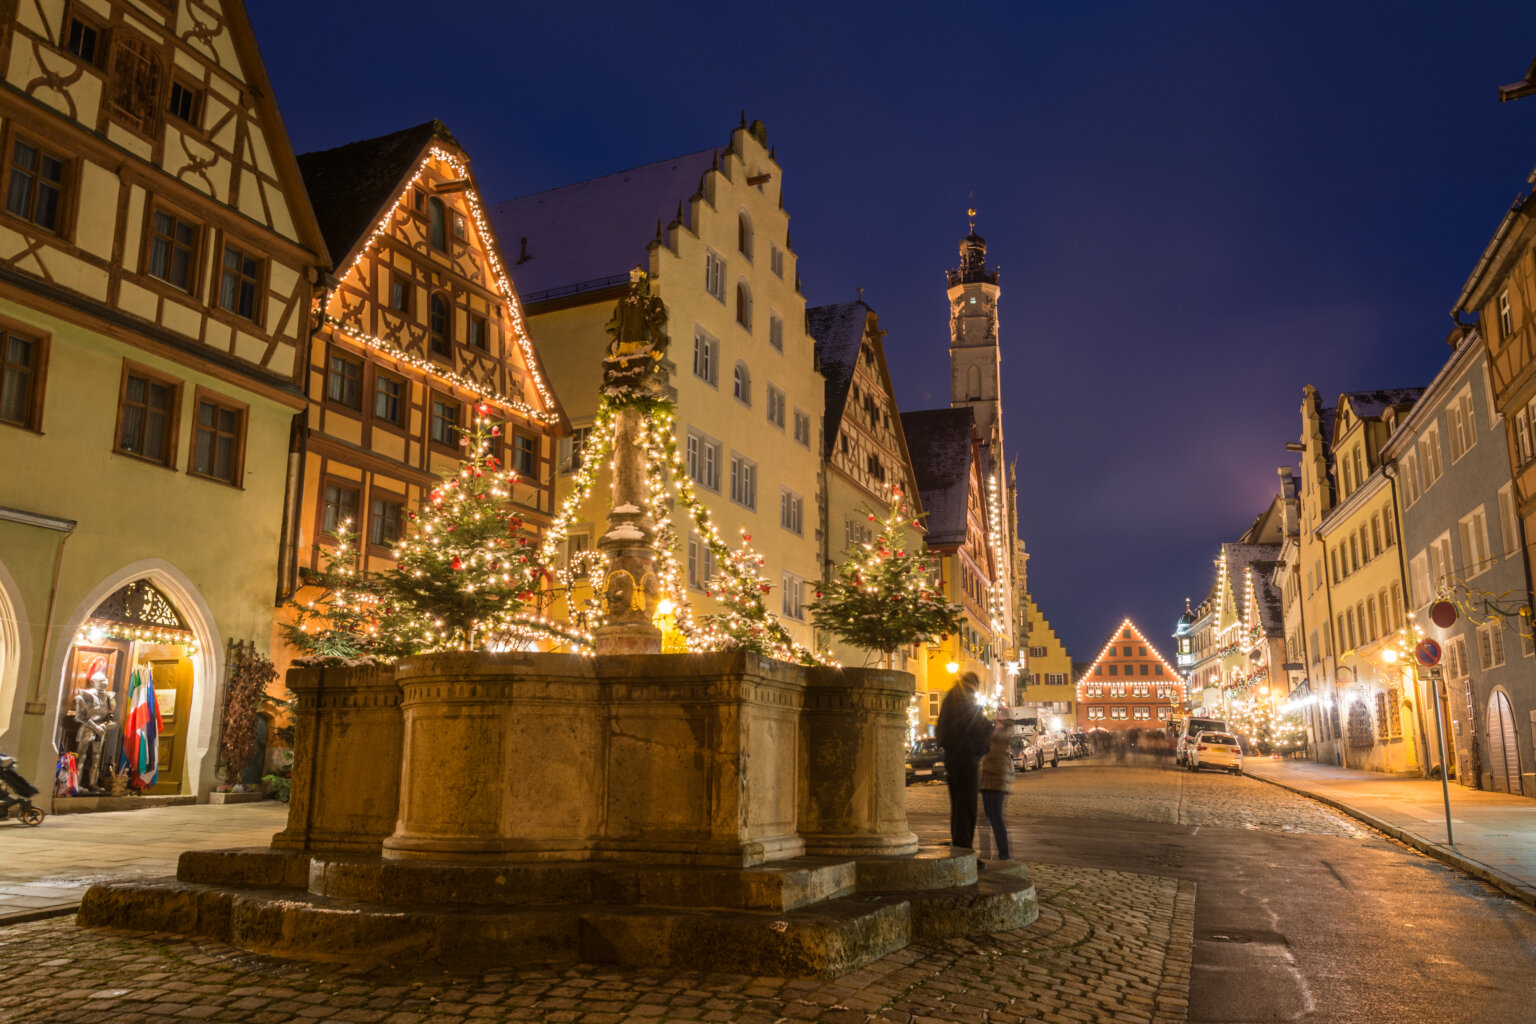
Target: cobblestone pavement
x,y
1108,946
1145,792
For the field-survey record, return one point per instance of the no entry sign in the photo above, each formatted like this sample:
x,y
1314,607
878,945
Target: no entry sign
x,y
1427,653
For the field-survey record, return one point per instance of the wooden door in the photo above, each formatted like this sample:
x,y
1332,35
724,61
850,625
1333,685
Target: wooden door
x,y
173,688
1503,752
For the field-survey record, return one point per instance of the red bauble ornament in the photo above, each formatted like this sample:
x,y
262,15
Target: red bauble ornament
x,y
456,564
526,595
483,409
871,517
747,537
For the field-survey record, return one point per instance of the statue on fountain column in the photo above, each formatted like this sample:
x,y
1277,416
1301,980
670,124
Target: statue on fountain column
x,y
632,380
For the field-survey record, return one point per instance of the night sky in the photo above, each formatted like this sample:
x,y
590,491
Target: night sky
x,y
1196,210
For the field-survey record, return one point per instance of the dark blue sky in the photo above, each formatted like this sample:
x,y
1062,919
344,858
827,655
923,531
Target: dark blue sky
x,y
1197,210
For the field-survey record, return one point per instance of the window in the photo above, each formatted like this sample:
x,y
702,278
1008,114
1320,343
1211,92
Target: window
x,y
440,324
460,228
21,380
1397,607
802,428
1456,658
1370,618
1408,467
1375,535
240,282
776,260
389,399
525,456
1164,713
1462,422
933,704
1146,669
714,274
1506,317
1523,436
172,249
793,601
790,505
437,224
743,481
1354,554
340,508
1509,526
85,41
741,385
575,544
400,294
184,103
216,440
571,447
776,331
705,356
134,93
1142,651
344,382
146,424
1420,590
1037,652
701,562
35,189
1119,712
1386,526
1441,564
744,235
775,407
1474,542
703,461
1429,456
1143,712
1095,713
477,331
743,305
1490,644
1381,714
445,423
384,518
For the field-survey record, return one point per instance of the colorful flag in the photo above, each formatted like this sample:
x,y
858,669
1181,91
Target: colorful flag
x,y
141,733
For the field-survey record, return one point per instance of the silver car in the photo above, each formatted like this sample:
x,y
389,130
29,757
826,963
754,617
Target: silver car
x,y
1215,750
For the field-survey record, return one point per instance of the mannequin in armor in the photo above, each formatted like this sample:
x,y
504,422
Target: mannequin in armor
x,y
96,712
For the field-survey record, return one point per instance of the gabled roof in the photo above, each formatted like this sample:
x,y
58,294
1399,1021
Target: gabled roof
x,y
1369,405
943,443
588,235
1260,560
1110,651
350,184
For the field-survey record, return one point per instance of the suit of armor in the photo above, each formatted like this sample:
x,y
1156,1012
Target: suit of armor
x,y
95,710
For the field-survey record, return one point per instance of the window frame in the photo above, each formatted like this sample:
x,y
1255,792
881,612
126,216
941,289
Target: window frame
x,y
398,279
775,398
704,443
792,598
38,385
173,417
801,416
355,487
746,238
791,500
532,475
484,324
228,241
741,383
744,304
709,345
222,403
743,481
195,275
381,422
437,218
68,183
378,494
433,337
181,80
775,330
714,274
88,19
459,423
336,353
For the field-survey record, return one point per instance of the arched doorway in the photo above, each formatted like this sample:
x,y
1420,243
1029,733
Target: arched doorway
x,y
127,693
1503,751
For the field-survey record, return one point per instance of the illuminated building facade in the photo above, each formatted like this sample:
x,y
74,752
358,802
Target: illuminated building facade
x,y
1129,685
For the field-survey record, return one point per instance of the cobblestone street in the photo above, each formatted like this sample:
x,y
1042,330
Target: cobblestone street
x,y
1125,944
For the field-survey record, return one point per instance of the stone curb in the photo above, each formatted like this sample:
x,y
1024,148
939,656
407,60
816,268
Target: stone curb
x,y
1503,881
40,914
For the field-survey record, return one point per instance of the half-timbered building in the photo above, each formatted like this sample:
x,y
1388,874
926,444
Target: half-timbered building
x,y
863,443
1129,685
417,327
156,258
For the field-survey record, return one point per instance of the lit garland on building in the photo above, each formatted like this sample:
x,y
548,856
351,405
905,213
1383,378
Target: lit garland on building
x,y
94,631
514,310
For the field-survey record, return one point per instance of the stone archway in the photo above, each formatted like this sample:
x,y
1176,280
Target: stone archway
x,y
15,655
196,722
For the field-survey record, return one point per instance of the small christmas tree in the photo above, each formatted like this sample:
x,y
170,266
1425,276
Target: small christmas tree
x,y
746,623
339,622
467,572
883,598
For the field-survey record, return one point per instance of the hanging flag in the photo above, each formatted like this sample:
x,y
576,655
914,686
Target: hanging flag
x,y
130,744
141,734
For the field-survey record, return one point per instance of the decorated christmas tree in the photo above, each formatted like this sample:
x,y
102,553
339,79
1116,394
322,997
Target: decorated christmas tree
x,y
746,623
467,573
339,620
883,597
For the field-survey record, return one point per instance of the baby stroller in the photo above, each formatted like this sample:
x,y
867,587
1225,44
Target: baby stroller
x,y
16,791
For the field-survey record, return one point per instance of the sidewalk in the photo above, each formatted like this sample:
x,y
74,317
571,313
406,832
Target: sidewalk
x,y
45,870
1495,833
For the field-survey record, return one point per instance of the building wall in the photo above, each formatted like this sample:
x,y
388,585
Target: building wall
x,y
1130,685
1486,561
1049,666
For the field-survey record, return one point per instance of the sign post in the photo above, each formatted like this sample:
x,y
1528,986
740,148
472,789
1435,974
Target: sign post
x,y
1427,654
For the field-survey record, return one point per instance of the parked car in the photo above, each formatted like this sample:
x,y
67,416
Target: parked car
x,y
1025,755
1187,729
1051,746
1215,750
925,762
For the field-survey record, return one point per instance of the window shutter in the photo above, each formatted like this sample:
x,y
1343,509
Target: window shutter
x,y
135,84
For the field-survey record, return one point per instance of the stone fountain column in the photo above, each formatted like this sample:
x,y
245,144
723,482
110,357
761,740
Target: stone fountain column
x,y
632,588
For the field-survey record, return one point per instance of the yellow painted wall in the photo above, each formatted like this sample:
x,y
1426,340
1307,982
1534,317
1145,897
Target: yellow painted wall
x,y
1056,660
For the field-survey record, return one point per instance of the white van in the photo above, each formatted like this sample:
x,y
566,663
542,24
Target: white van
x,y
1188,729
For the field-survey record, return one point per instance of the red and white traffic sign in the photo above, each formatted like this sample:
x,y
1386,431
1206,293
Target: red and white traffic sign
x,y
1427,653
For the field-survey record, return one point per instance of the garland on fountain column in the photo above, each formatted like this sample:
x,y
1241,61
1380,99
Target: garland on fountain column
x,y
883,598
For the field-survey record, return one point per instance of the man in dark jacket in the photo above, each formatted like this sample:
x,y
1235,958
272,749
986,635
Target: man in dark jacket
x,y
963,732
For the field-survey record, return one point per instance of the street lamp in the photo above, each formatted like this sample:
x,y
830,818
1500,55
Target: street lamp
x,y
952,667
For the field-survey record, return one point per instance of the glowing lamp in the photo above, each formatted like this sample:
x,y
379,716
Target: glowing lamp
x,y
952,667
1389,655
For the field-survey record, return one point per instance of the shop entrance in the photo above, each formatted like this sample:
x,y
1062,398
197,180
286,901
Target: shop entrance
x,y
128,695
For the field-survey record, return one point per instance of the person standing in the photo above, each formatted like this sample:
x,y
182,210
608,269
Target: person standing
x,y
964,733
997,783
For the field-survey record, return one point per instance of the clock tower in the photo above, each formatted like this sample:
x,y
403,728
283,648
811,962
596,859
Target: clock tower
x,y
975,364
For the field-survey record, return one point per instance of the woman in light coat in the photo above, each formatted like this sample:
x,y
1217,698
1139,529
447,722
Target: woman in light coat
x,y
997,782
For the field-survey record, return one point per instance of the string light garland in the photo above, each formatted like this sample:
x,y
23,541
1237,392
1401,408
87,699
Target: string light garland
x,y
94,631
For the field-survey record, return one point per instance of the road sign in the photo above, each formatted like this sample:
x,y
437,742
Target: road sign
x,y
1434,675
1427,652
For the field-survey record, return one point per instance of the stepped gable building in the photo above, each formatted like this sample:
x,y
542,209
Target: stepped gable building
x,y
946,460
157,257
862,441
419,324
1129,685
711,230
